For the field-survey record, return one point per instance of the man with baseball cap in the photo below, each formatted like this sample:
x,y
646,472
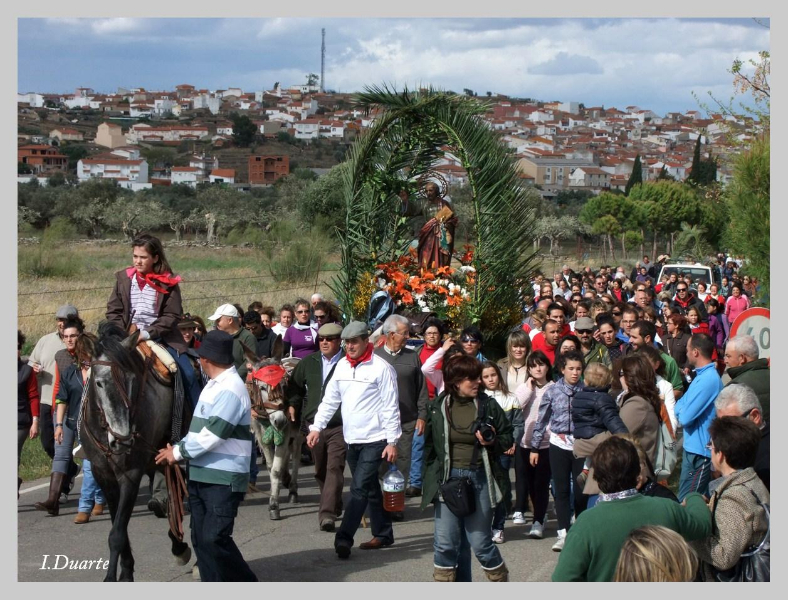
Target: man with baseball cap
x,y
365,386
305,388
228,319
593,351
217,447
42,360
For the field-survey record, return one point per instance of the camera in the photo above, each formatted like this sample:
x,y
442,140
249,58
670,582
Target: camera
x,y
484,427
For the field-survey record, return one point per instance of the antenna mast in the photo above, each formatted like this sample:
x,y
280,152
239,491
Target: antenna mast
x,y
323,61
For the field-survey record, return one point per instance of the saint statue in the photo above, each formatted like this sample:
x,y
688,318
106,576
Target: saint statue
x,y
436,236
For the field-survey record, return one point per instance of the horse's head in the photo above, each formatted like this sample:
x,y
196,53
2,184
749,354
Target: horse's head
x,y
116,377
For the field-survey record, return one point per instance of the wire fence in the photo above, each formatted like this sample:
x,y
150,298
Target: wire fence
x,y
304,285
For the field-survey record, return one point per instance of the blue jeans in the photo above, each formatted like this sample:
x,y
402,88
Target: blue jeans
x,y
213,510
450,529
364,461
499,516
416,460
91,492
695,474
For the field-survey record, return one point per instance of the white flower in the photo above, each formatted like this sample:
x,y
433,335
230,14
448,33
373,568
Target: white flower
x,y
445,303
467,268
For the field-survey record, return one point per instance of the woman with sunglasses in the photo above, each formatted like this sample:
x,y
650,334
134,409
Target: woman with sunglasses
x,y
472,341
301,337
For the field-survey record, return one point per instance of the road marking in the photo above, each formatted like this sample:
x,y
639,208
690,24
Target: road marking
x,y
42,486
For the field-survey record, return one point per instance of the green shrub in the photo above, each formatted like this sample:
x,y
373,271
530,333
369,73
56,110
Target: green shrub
x,y
51,258
299,261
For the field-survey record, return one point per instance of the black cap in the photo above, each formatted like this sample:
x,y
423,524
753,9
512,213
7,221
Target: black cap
x,y
217,346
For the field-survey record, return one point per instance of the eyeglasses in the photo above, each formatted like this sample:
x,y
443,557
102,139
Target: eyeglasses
x,y
467,339
327,338
616,313
301,312
319,317
681,289
583,331
575,300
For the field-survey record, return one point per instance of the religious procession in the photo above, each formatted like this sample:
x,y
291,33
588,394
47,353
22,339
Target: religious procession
x,y
621,416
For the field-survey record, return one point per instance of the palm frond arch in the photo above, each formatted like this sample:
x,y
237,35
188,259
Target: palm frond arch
x,y
407,135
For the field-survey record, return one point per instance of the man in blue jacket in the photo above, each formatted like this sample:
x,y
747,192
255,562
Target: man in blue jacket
x,y
695,411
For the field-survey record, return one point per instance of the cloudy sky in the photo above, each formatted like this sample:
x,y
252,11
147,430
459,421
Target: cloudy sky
x,y
649,62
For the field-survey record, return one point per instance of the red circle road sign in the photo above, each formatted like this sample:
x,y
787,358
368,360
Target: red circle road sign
x,y
754,322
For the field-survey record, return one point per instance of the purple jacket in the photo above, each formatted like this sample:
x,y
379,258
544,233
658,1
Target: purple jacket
x,y
716,330
302,341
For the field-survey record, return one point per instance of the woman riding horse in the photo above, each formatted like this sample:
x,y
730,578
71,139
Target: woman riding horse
x,y
147,298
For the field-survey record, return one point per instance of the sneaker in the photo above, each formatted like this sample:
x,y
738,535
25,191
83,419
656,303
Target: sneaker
x,y
559,543
497,536
518,519
537,531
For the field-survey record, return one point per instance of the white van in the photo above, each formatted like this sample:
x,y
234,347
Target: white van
x,y
697,271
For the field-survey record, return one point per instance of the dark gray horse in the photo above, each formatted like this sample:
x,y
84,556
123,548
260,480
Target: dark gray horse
x,y
126,418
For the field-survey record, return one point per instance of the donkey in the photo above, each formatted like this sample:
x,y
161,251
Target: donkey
x,y
277,436
126,418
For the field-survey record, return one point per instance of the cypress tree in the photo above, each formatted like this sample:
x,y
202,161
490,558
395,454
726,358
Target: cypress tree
x,y
636,177
696,174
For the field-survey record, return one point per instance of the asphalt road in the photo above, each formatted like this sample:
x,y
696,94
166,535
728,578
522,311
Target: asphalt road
x,y
292,549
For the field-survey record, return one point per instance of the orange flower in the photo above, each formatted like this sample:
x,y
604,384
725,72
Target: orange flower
x,y
444,271
429,275
407,298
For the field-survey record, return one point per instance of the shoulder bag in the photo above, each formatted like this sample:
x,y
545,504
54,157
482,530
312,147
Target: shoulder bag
x,y
459,493
753,564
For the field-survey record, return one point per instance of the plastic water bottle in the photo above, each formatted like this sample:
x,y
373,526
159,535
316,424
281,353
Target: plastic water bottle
x,y
394,490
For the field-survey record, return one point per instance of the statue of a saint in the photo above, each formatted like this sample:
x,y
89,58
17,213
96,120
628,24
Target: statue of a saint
x,y
436,237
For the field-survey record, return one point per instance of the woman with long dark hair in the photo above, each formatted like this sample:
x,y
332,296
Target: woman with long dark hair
x,y
454,448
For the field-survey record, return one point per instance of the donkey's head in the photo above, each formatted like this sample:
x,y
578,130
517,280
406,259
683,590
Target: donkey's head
x,y
269,379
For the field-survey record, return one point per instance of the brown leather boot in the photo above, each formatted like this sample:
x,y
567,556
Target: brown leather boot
x,y
82,518
444,574
98,509
52,504
500,573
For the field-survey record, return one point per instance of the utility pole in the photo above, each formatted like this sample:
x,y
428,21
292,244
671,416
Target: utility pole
x,y
323,61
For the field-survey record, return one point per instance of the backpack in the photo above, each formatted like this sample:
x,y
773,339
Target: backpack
x,y
668,451
381,306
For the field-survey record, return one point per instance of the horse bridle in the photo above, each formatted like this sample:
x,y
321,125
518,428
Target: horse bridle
x,y
120,385
277,393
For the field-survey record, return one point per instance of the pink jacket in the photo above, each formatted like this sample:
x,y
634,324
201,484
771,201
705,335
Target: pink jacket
x,y
735,306
530,398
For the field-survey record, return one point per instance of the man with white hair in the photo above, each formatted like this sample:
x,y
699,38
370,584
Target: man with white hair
x,y
744,366
739,400
313,300
412,390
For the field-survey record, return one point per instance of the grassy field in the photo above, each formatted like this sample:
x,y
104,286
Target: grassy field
x,y
35,462
211,276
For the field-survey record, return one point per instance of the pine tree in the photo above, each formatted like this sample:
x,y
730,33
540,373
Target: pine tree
x,y
636,177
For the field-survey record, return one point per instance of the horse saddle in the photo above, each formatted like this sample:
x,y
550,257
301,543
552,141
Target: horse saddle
x,y
162,362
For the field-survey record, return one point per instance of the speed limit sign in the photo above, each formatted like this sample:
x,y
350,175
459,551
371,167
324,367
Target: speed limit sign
x,y
754,322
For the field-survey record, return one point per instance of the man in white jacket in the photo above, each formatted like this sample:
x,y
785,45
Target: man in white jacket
x,y
365,386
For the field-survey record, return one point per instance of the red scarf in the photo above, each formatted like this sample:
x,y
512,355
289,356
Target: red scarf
x,y
152,278
363,358
272,374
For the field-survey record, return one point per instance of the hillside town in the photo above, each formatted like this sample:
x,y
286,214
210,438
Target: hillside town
x,y
559,145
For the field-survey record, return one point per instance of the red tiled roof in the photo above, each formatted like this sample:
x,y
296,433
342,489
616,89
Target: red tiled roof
x,y
223,172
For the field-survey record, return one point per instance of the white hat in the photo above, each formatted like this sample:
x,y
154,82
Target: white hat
x,y
225,310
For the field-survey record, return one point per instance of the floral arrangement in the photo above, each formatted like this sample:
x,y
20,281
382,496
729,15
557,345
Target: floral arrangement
x,y
446,291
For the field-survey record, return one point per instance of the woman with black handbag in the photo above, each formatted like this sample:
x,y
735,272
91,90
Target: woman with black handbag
x,y
738,548
466,432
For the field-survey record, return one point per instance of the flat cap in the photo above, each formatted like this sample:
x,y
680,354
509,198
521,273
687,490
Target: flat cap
x,y
66,311
584,323
330,329
354,329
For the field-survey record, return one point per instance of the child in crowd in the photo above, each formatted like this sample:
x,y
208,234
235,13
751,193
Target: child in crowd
x,y
495,387
594,414
535,475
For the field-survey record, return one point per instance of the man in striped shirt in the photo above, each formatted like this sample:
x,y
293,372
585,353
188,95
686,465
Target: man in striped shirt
x,y
217,447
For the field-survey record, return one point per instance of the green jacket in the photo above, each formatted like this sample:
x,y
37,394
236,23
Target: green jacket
x,y
239,358
756,375
306,381
437,464
594,541
597,354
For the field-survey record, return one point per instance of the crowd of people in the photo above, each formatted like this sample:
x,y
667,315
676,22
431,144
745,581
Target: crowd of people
x,y
602,368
